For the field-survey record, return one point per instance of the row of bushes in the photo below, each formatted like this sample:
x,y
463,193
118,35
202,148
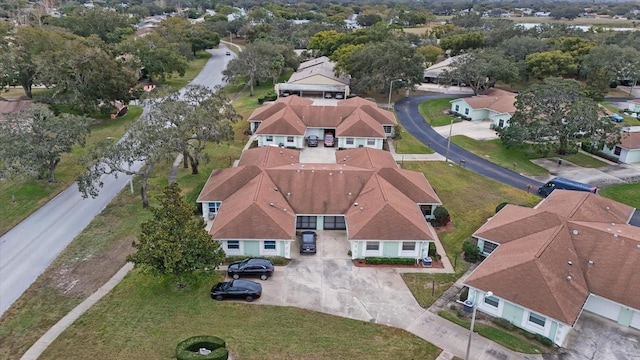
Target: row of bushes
x,y
271,96
389,261
276,260
505,324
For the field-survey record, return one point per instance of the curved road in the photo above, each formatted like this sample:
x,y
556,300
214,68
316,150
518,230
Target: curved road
x,y
407,110
27,250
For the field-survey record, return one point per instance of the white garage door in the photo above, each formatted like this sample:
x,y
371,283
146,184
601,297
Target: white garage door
x,y
314,131
635,320
602,307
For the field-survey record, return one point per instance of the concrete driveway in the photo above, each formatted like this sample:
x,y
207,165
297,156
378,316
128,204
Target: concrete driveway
x,y
329,282
594,337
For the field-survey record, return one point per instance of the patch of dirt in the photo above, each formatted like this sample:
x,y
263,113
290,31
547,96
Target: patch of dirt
x,y
87,275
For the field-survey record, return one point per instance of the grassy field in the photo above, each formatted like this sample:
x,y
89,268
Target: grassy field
x,y
433,112
509,339
145,317
628,120
625,193
22,197
408,144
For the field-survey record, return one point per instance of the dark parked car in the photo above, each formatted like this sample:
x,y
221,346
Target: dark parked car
x,y
228,53
339,96
251,267
328,95
312,141
308,242
236,289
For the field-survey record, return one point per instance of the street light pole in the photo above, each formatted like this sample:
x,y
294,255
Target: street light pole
x,y
473,320
390,89
446,158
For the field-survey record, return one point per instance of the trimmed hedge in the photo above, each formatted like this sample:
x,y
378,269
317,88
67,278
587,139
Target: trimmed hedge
x,y
276,260
389,261
188,349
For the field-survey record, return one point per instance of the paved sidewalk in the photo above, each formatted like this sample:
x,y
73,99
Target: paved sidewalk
x,y
50,336
412,157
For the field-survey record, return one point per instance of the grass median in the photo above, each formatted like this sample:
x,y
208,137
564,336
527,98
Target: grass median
x,y
433,112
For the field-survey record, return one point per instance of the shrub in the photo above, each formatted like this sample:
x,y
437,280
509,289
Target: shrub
x,y
441,215
464,294
432,249
471,251
389,261
500,206
503,323
261,100
188,348
544,340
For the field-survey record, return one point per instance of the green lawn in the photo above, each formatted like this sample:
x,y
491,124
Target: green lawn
x,y
22,197
408,144
509,339
625,193
628,120
494,151
145,317
433,112
584,160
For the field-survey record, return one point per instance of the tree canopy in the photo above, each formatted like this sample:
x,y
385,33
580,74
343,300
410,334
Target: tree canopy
x,y
33,140
174,241
480,70
556,114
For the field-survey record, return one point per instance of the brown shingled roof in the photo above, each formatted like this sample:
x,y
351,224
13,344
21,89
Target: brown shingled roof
x,y
353,117
630,140
543,261
497,100
266,183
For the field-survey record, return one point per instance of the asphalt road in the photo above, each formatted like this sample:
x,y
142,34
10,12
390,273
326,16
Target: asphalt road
x,y
407,111
28,249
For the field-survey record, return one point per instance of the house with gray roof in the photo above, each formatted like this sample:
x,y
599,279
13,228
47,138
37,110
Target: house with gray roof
x,y
315,78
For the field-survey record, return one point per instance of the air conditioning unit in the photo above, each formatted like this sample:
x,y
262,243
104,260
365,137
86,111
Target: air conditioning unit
x,y
212,216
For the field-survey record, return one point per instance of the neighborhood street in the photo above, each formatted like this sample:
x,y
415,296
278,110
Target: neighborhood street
x,y
28,249
410,118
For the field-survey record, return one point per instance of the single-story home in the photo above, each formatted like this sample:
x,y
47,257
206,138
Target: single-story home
x,y
257,207
495,105
433,72
315,78
354,122
628,150
573,252
634,105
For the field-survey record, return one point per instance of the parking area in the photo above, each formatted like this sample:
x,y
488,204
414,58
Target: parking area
x,y
318,155
329,282
594,337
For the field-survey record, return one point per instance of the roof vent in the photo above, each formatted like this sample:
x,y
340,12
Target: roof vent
x,y
615,236
330,174
607,208
361,208
613,224
275,189
609,229
590,262
340,171
638,246
575,232
313,171
298,170
271,204
288,194
570,262
280,151
569,278
285,209
355,204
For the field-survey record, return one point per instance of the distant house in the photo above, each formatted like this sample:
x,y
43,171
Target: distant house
x,y
354,122
495,105
628,150
634,105
432,74
257,207
315,78
573,252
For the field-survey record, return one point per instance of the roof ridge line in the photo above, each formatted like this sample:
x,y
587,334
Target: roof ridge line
x,y
260,177
550,240
578,205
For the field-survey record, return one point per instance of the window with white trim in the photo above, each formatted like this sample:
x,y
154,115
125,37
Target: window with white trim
x,y
214,207
373,246
233,245
371,142
617,150
289,139
466,111
488,247
269,137
388,129
536,319
457,108
350,141
492,301
408,246
269,245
